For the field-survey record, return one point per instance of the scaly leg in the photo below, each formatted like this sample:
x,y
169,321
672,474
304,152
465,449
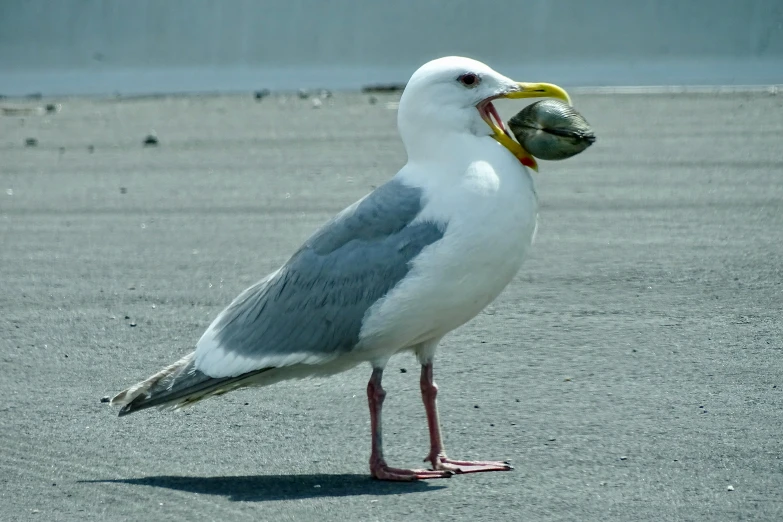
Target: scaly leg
x,y
378,467
437,456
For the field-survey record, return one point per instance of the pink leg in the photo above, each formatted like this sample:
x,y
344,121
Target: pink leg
x,y
437,456
378,467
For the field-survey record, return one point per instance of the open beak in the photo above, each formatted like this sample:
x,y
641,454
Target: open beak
x,y
523,90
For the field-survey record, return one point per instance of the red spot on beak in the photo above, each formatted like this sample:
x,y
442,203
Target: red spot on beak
x,y
527,162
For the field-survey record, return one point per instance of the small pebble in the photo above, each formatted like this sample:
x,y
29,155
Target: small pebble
x,y
127,317
403,370
52,107
552,439
247,404
133,323
260,95
30,142
105,398
476,406
492,425
623,458
150,141
730,488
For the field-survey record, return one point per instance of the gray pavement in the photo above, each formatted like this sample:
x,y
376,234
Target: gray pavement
x,y
632,371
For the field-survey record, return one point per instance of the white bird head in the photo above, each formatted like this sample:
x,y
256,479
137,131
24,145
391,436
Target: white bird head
x,y
454,95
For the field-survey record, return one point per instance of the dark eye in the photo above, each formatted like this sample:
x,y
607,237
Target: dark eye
x,y
469,80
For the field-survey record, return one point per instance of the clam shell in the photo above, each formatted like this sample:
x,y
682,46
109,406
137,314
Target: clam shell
x,y
551,130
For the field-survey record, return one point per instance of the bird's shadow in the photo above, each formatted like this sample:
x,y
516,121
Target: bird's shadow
x,y
261,488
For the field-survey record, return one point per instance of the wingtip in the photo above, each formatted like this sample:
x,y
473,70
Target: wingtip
x,y
135,405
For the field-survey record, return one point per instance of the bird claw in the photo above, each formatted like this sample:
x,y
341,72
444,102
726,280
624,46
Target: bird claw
x,y
441,462
385,472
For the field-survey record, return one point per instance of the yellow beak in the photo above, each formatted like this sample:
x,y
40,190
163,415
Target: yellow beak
x,y
525,90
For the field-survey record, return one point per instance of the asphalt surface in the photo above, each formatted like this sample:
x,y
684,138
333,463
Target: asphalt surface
x,y
632,371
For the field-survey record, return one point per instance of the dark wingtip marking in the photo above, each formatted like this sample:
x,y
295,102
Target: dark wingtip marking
x,y
188,395
136,405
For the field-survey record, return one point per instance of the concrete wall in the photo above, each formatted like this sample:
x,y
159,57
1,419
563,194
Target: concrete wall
x,y
105,46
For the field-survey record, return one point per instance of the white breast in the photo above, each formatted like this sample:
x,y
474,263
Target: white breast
x,y
490,206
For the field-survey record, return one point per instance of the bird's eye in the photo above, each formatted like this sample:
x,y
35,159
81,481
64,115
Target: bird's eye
x,y
469,80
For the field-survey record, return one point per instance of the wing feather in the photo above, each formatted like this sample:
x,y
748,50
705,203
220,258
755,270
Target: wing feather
x,y
311,310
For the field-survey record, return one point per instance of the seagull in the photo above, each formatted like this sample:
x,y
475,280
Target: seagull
x,y
395,272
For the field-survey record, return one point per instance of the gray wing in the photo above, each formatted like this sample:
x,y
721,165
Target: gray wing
x,y
311,310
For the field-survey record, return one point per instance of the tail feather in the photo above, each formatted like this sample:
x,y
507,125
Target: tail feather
x,y
177,385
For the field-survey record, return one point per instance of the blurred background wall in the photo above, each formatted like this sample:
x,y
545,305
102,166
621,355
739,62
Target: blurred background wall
x,y
149,46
